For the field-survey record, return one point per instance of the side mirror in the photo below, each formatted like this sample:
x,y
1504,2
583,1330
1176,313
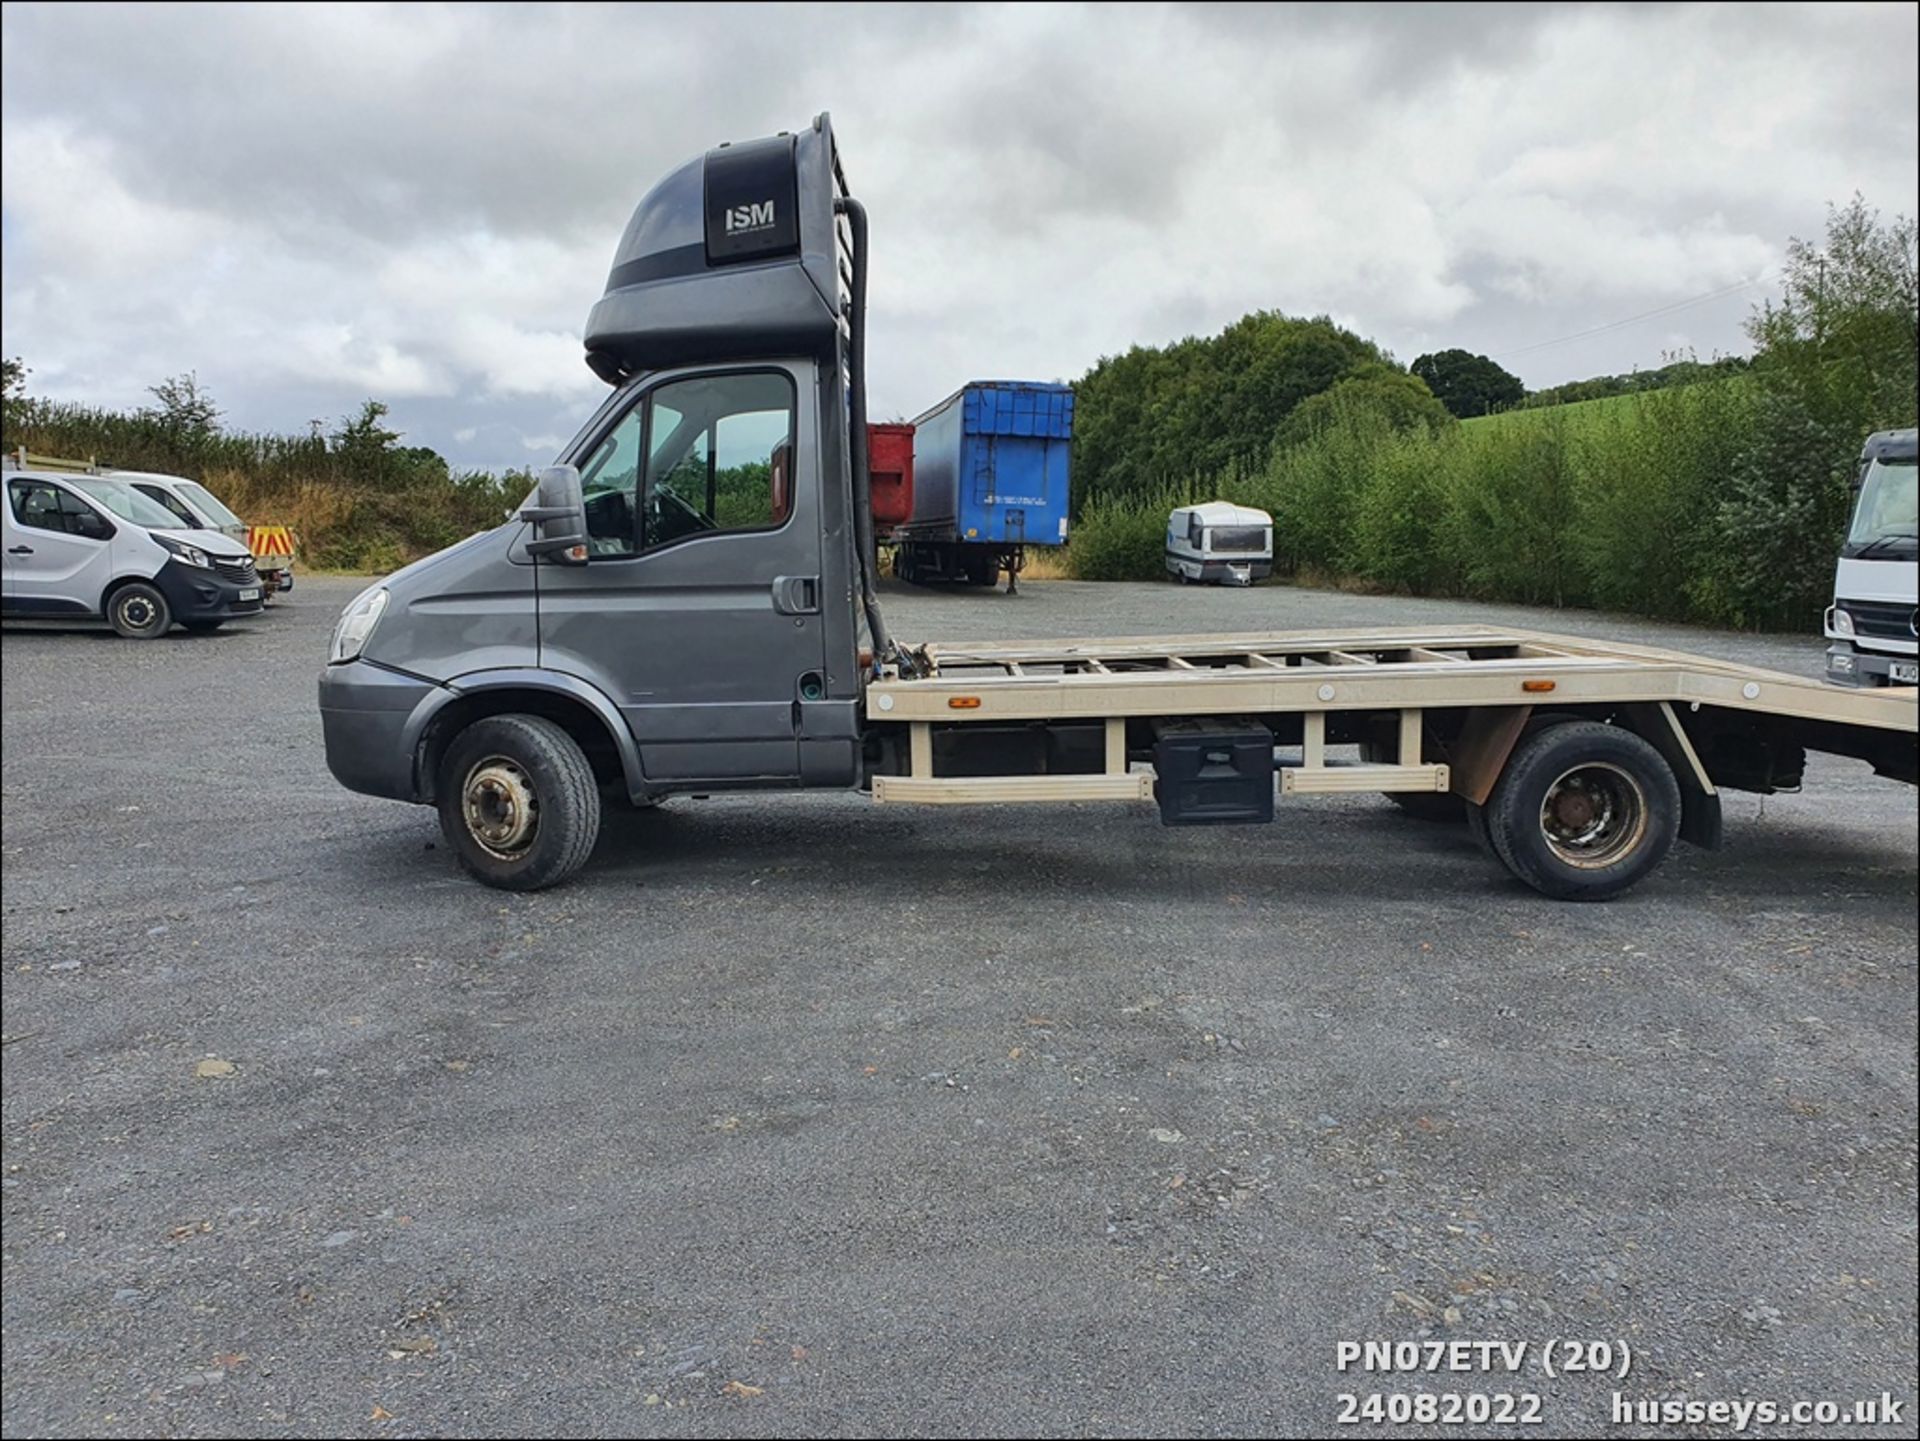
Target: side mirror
x,y
558,516
95,527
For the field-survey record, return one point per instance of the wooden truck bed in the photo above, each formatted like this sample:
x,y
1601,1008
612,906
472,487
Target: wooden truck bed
x,y
1488,680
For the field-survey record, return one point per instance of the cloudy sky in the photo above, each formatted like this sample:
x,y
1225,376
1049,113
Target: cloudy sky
x,y
311,205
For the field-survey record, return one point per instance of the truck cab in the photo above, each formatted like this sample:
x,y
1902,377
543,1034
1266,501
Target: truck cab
x,y
678,607
1872,622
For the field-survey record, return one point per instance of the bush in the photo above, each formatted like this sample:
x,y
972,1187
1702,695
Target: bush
x,y
1125,538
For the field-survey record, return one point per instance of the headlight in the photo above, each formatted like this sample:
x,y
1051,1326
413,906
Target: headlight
x,y
181,551
356,623
1842,622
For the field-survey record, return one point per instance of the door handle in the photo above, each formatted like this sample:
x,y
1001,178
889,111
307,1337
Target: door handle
x,y
19,550
796,594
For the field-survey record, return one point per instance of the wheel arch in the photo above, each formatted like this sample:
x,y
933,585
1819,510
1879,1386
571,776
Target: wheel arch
x,y
120,582
582,710
1489,736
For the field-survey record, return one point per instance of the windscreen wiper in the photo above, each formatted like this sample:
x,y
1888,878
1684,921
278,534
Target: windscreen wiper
x,y
1879,540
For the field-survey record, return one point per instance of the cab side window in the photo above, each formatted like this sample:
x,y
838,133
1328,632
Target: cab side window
x,y
48,507
718,456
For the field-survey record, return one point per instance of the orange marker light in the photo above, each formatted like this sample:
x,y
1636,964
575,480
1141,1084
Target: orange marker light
x,y
963,702
1536,687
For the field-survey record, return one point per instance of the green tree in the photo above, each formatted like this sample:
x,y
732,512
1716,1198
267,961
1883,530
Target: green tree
x,y
1377,397
1837,357
1161,415
363,446
186,409
1467,384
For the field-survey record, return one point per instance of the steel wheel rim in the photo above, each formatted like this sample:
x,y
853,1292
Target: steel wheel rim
x,y
1593,815
137,611
501,807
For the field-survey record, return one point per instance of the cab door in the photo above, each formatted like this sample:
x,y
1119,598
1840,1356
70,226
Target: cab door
x,y
698,611
58,550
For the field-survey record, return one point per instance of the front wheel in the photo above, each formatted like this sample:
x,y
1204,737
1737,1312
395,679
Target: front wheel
x,y
518,802
1583,811
139,611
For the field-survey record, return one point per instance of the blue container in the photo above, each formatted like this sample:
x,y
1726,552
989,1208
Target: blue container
x,y
990,466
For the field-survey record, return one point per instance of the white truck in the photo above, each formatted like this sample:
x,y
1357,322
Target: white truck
x,y
1873,623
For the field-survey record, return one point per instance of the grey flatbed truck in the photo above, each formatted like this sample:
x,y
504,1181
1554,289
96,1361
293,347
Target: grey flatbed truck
x,y
687,605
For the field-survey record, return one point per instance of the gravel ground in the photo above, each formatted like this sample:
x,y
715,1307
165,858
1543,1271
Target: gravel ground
x,y
796,1116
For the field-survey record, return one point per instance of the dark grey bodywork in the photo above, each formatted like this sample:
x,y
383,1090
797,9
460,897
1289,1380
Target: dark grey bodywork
x,y
724,659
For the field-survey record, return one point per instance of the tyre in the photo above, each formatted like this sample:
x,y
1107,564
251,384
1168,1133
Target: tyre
x,y
1477,827
518,802
203,627
138,611
1583,811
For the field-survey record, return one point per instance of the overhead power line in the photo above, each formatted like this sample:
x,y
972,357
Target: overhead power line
x,y
1653,314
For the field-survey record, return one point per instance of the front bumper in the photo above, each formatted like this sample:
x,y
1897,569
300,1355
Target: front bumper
x,y
364,709
1848,665
195,593
1235,570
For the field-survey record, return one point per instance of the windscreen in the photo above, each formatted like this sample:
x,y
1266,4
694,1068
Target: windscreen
x,y
129,504
1889,505
209,505
1239,537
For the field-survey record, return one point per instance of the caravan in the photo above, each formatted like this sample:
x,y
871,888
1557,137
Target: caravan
x,y
1220,542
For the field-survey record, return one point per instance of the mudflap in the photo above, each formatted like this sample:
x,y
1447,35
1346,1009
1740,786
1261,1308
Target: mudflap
x,y
1701,821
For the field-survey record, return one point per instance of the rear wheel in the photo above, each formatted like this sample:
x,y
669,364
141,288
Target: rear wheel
x,y
1583,811
1477,828
518,802
138,611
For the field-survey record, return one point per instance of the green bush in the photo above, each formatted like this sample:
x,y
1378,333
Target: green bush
x,y
1124,538
1399,514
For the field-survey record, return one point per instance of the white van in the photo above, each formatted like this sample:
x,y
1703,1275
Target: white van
x,y
92,547
1220,542
200,509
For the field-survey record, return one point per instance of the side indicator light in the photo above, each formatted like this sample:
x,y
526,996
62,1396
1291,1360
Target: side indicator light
x,y
963,702
1537,687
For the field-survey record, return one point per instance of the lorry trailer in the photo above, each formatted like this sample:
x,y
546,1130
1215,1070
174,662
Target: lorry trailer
x,y
989,478
686,604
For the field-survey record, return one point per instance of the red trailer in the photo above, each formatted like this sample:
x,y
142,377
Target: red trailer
x,y
890,450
